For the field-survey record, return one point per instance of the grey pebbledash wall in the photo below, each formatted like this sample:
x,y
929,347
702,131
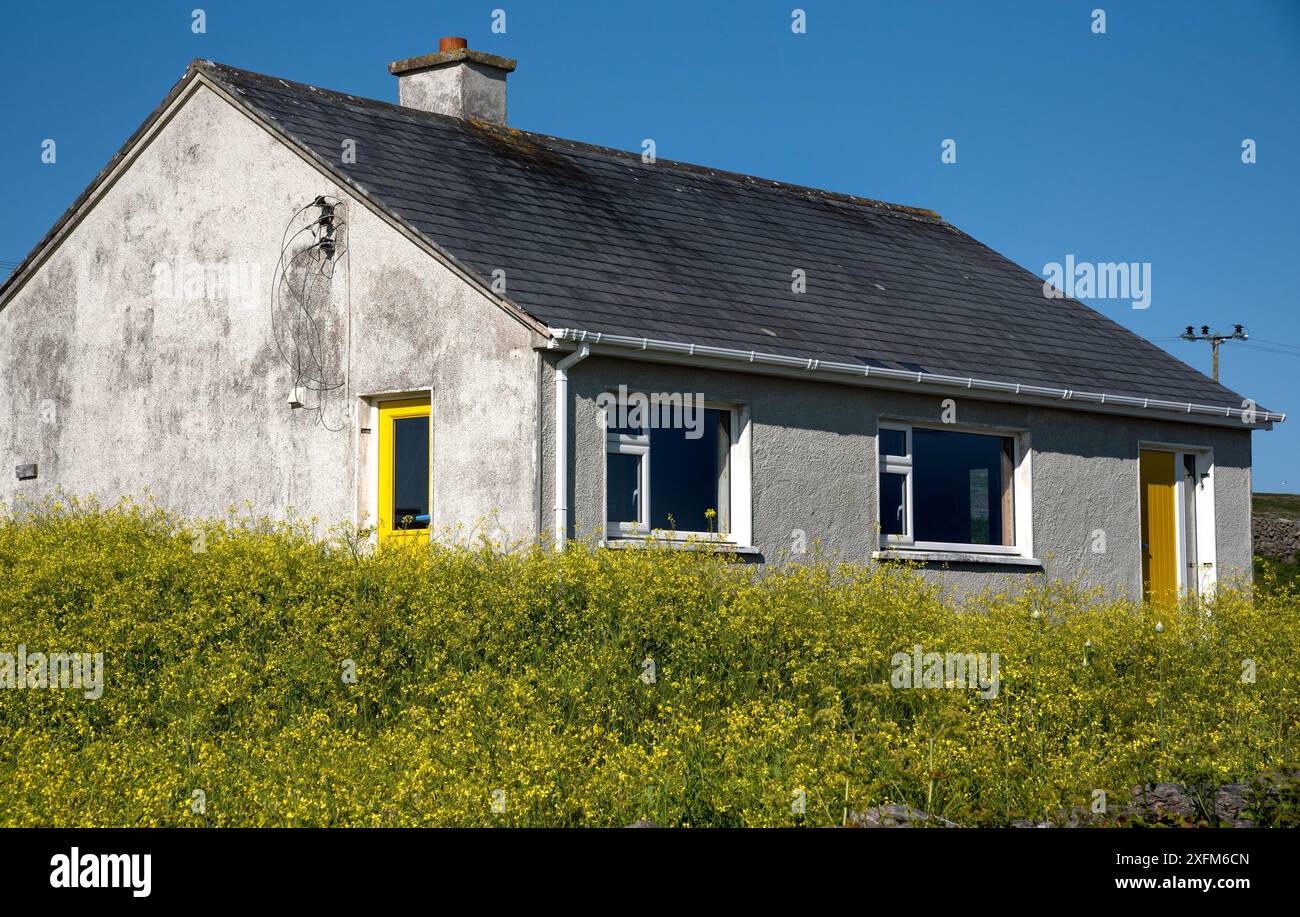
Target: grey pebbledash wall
x,y
188,399
813,457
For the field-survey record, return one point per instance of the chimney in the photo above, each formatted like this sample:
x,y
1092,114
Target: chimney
x,y
456,81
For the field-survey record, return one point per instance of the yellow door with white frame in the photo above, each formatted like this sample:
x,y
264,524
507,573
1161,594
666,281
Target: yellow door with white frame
x,y
1159,525
404,492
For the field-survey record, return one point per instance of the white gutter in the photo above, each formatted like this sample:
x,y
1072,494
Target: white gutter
x,y
562,443
1016,389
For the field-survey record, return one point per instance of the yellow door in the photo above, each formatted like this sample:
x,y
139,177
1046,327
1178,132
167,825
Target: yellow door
x,y
1159,526
404,498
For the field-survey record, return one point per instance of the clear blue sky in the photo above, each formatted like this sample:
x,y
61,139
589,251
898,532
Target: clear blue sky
x,y
1117,147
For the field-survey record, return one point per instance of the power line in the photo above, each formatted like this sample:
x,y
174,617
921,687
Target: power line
x,y
1278,344
1257,348
1256,345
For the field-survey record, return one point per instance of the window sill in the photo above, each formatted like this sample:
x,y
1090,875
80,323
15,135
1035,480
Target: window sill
x,y
956,557
721,547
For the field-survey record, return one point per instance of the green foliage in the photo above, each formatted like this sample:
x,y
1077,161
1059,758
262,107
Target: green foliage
x,y
1284,573
1285,505
479,670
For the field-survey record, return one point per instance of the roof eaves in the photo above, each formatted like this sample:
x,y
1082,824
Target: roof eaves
x,y
1014,391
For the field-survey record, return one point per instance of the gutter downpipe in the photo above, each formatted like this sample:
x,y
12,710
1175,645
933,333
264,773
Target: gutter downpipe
x,y
562,442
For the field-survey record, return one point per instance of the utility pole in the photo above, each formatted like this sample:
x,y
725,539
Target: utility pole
x,y
1215,340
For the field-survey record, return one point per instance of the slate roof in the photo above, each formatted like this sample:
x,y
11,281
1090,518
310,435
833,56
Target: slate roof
x,y
595,239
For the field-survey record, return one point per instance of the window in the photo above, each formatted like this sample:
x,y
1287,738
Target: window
x,y
943,489
404,470
672,470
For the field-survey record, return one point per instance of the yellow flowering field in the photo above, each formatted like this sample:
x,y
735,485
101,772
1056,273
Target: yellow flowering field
x,y
255,675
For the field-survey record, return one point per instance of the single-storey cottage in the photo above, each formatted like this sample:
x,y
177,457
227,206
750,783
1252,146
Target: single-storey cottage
x,y
415,316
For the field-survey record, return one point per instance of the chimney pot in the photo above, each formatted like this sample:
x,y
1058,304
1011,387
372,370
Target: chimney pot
x,y
450,42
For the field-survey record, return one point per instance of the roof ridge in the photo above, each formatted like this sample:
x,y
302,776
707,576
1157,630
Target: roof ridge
x,y
214,68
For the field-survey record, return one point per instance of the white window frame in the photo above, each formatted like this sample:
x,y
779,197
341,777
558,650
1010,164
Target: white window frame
x,y
740,471
628,444
902,465
1021,495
